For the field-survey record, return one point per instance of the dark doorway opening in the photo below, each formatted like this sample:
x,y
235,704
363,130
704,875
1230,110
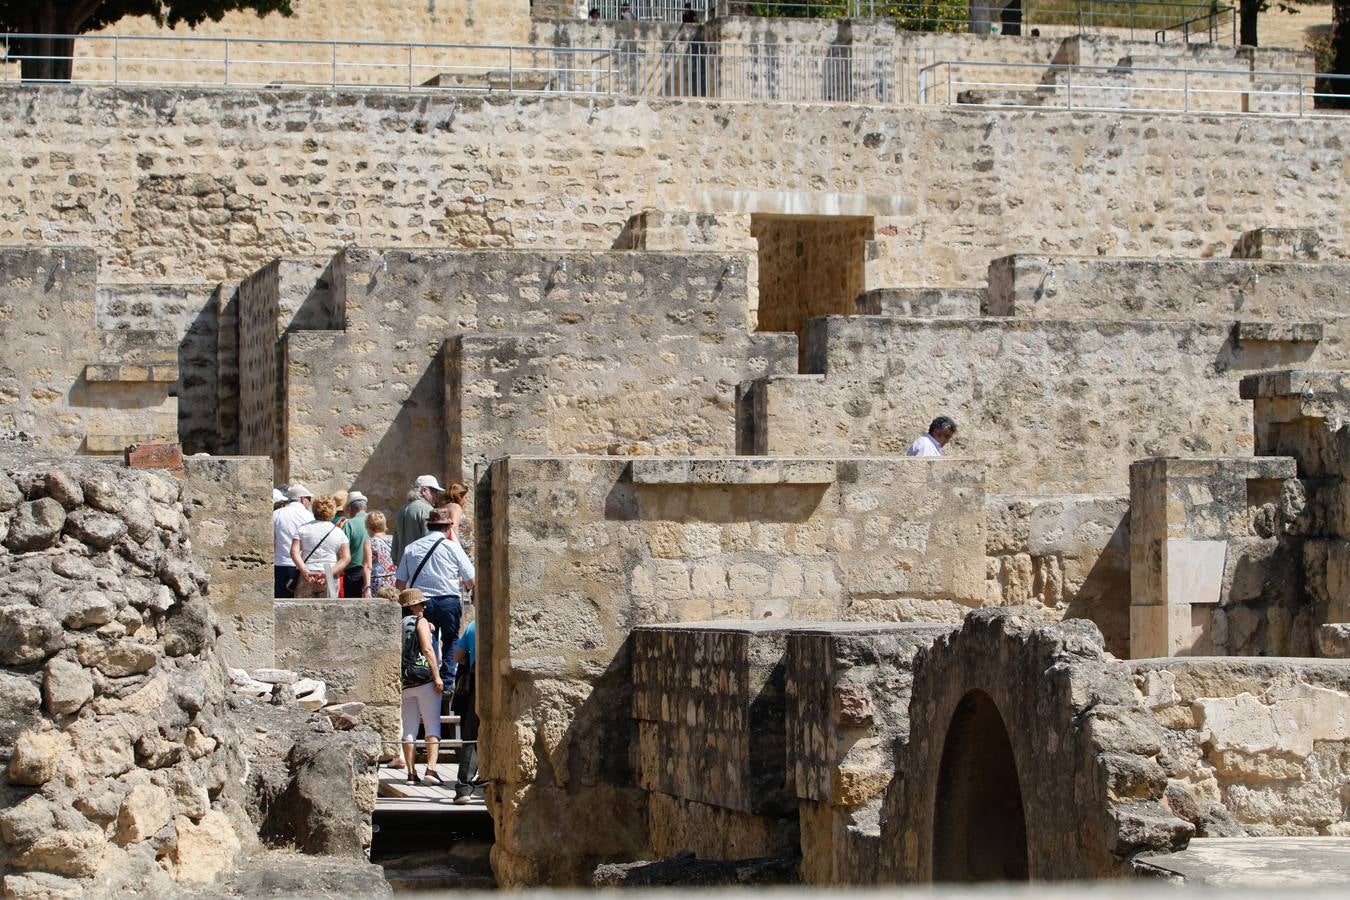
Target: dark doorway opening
x,y
979,826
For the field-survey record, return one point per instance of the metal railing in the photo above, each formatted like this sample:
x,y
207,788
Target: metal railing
x,y
1143,16
1133,88
1209,24
685,68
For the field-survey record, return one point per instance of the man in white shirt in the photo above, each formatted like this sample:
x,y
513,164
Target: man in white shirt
x,y
942,430
286,524
440,569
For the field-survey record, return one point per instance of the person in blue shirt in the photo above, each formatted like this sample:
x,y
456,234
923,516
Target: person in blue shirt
x,y
464,704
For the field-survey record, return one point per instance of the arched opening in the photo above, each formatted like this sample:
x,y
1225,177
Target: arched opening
x,y
979,827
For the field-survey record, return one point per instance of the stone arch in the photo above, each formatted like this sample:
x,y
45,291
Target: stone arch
x,y
979,824
1079,740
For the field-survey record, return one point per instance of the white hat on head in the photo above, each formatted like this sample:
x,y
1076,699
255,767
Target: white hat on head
x,y
298,491
356,497
278,495
428,481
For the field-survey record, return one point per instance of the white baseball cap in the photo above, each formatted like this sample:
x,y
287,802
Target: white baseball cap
x,y
278,495
298,492
428,481
356,497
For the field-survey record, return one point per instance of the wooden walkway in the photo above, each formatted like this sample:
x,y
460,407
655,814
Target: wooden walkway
x,y
396,795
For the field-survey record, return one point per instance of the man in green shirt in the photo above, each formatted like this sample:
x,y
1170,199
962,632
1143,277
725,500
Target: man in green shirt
x,y
411,521
356,579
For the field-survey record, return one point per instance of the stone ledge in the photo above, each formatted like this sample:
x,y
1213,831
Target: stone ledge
x,y
118,443
735,471
1251,468
131,373
1306,383
1278,332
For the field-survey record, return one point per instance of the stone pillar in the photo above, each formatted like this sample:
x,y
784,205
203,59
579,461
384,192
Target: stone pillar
x,y
1302,414
1195,526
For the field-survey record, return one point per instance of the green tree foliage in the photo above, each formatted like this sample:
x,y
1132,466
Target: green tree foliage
x,y
51,58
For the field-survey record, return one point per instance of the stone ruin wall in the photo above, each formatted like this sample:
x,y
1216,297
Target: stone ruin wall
x,y
124,761
1253,746
335,161
133,762
576,551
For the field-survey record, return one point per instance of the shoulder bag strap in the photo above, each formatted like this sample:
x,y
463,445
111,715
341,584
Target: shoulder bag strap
x,y
320,543
425,559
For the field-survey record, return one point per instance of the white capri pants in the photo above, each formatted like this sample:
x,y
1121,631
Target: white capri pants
x,y
423,704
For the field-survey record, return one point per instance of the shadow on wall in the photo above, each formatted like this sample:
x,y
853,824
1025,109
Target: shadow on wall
x,y
1104,596
413,444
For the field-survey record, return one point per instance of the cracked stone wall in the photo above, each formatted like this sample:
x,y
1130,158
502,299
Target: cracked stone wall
x,y
300,173
1257,747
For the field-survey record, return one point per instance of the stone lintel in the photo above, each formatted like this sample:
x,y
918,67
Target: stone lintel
x,y
1278,332
733,471
131,373
1249,468
118,443
1295,383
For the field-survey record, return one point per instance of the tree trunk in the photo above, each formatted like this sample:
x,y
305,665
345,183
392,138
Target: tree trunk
x,y
52,57
44,59
1340,36
1247,15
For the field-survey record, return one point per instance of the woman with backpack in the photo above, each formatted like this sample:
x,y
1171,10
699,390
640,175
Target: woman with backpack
x,y
422,686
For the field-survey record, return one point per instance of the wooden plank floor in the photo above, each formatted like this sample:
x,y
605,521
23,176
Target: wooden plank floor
x,y
397,795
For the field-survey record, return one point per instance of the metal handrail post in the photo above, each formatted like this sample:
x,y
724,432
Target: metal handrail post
x,y
949,84
116,59
1300,98
510,70
1070,86
1186,90
333,71
227,62
410,66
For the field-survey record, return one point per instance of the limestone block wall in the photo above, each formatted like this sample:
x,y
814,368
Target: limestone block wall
x,y
437,21
1212,290
708,703
282,295
576,353
1069,554
352,646
67,384
1215,559
189,313
576,551
124,766
307,172
1037,728
1253,746
848,690
229,499
1006,382
719,741
1301,413
808,268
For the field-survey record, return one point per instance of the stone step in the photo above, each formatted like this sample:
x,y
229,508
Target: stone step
x,y
156,374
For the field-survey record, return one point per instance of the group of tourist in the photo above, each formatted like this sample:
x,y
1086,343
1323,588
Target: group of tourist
x,y
334,546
